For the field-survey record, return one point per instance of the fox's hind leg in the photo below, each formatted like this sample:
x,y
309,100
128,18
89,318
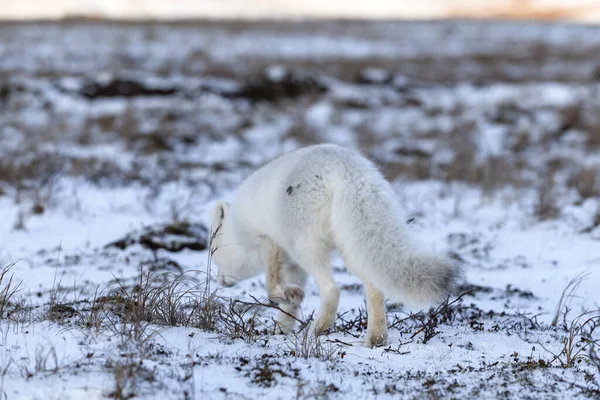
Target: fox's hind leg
x,y
316,263
376,314
377,332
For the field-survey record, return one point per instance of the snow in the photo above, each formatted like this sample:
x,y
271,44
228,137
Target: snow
x,y
160,160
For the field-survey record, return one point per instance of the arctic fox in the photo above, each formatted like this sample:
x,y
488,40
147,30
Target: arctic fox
x,y
290,214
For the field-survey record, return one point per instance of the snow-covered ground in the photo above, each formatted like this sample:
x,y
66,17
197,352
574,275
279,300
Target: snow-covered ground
x,y
116,139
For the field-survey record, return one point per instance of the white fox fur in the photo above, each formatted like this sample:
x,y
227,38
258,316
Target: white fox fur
x,y
298,208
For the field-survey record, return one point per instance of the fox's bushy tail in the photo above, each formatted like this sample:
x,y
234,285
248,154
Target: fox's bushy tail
x,y
370,233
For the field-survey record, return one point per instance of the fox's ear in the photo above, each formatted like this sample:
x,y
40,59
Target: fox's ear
x,y
219,213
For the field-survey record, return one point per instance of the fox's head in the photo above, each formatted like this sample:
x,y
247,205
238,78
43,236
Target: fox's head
x,y
234,257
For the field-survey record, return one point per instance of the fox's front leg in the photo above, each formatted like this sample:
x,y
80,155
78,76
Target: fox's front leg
x,y
287,295
294,280
275,260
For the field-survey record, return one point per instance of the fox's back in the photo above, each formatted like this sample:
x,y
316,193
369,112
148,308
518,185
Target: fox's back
x,y
295,187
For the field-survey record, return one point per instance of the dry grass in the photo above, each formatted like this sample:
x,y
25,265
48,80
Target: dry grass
x,y
579,338
125,385
590,124
595,220
135,311
580,330
156,299
427,323
594,356
307,345
417,169
91,317
587,182
8,290
239,320
128,374
568,293
33,170
593,136
46,360
3,372
545,206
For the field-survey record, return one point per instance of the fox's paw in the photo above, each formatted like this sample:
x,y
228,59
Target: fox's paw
x,y
321,328
293,294
375,341
290,294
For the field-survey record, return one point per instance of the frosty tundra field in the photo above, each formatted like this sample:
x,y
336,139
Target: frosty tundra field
x,y
115,139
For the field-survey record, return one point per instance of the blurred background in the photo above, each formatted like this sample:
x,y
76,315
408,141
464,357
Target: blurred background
x,y
496,94
574,10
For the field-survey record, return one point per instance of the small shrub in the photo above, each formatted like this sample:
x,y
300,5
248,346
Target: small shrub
x,y
578,339
305,344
